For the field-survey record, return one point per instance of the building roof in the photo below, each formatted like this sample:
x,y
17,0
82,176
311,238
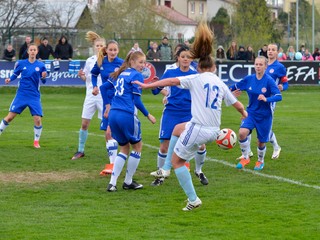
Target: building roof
x,y
173,16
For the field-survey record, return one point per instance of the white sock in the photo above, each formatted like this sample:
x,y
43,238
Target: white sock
x,y
3,125
132,166
112,149
273,141
37,132
161,159
117,167
261,153
249,140
199,159
244,146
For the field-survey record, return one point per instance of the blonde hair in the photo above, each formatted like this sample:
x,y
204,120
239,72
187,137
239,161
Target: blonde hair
x,y
103,52
131,57
202,47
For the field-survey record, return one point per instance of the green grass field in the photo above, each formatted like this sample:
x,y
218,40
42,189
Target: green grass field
x,y
45,195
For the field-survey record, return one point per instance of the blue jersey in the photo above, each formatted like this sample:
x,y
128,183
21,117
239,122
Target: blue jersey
x,y
277,70
178,99
105,69
254,87
31,73
125,90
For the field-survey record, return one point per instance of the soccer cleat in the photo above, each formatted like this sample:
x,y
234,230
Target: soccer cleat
x,y
276,153
259,166
243,162
77,155
157,182
36,144
160,173
107,170
250,156
202,178
111,188
191,205
134,185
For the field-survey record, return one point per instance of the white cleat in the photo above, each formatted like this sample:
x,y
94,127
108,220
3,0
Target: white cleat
x,y
160,173
191,205
276,153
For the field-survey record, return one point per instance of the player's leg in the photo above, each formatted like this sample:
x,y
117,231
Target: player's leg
x,y
249,150
275,145
37,130
199,161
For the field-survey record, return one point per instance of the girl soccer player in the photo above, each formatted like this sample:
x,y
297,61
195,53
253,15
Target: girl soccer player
x,y
107,62
262,92
91,103
123,121
28,92
207,93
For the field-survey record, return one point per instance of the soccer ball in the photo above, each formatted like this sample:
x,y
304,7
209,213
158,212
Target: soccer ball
x,y
226,139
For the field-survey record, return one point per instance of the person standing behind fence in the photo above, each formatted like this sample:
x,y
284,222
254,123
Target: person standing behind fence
x,y
23,52
63,50
9,53
165,49
91,103
45,50
154,54
28,94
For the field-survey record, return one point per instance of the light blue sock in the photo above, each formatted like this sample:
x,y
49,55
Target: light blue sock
x,y
185,181
167,164
83,135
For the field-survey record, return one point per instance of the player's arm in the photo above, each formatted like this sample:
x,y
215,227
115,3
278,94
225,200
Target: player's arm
x,y
138,103
163,83
240,108
16,72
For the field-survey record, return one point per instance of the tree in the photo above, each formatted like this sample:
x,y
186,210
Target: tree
x,y
252,23
16,15
128,20
220,24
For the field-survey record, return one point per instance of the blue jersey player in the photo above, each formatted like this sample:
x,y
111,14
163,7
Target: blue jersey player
x,y
28,92
107,63
262,92
123,120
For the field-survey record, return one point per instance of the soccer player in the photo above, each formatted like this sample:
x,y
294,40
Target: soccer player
x,y
262,92
278,72
91,103
177,110
28,92
107,63
123,120
207,93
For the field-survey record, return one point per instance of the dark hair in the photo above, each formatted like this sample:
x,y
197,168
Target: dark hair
x,y
182,48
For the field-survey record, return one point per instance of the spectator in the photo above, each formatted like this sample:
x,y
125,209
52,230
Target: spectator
x,y
263,51
165,49
232,52
251,56
9,53
291,53
135,48
23,52
302,49
281,55
316,54
187,43
44,50
154,54
307,56
220,54
64,50
150,45
242,54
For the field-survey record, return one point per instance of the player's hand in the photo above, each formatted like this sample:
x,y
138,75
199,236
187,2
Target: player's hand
x,y
151,118
43,75
95,91
261,97
236,93
164,100
7,80
244,115
280,86
81,74
106,112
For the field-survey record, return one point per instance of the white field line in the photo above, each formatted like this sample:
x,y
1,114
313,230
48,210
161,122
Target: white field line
x,y
280,179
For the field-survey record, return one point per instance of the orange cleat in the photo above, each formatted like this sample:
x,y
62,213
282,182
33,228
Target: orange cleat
x,y
107,170
243,162
36,144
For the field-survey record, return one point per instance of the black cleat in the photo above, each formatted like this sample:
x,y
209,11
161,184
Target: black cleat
x,y
134,185
202,178
111,188
157,182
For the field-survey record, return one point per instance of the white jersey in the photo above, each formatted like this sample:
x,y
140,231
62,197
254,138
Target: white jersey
x,y
87,70
207,92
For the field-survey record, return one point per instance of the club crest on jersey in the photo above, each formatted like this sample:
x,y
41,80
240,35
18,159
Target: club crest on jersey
x,y
37,69
116,69
263,90
271,70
